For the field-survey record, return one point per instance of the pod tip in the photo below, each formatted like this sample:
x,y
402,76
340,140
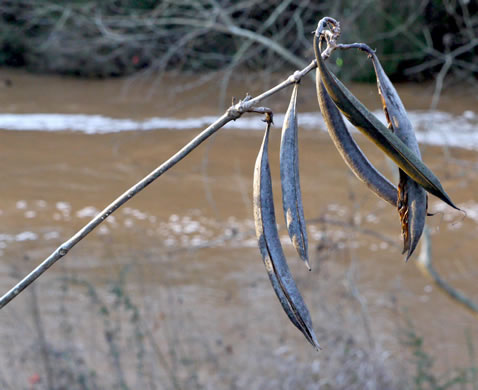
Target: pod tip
x,y
449,202
455,206
307,264
413,246
313,341
316,345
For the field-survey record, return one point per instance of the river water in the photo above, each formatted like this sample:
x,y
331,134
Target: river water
x,y
170,292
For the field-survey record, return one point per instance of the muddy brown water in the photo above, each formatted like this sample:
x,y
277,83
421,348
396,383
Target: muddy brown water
x,y
186,249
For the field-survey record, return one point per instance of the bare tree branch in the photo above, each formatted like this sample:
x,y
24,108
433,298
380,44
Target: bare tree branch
x,y
424,263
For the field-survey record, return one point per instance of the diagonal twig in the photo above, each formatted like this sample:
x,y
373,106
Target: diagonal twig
x,y
234,112
424,263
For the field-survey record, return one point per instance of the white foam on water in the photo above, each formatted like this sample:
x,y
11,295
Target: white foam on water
x,y
87,212
432,127
26,236
21,204
51,236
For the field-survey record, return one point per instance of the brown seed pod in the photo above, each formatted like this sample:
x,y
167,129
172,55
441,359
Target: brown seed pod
x,y
370,126
271,248
350,151
412,198
290,181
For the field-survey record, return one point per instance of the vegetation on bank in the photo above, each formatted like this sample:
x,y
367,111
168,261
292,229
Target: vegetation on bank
x,y
145,350
120,37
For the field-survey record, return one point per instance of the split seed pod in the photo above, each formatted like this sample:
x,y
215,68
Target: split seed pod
x,y
271,249
289,175
412,198
350,151
370,126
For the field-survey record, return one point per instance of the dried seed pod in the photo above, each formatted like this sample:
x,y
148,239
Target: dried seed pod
x,y
350,151
370,126
412,205
271,249
290,182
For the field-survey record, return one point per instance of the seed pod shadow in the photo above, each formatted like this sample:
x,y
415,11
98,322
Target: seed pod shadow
x,y
370,126
271,248
290,181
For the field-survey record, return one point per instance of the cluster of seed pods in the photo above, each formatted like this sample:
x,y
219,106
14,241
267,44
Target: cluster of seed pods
x,y
397,141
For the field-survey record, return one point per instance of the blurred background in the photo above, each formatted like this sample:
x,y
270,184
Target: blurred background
x,y
170,292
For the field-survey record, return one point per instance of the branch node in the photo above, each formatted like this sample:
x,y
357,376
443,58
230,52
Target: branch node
x,y
62,251
295,77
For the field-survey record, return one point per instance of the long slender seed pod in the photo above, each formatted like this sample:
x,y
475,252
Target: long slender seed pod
x,y
271,249
290,181
369,125
350,151
412,203
412,198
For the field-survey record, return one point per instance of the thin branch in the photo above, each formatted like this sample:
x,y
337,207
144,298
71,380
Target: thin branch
x,y
234,112
439,82
239,55
442,57
424,263
238,31
403,25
